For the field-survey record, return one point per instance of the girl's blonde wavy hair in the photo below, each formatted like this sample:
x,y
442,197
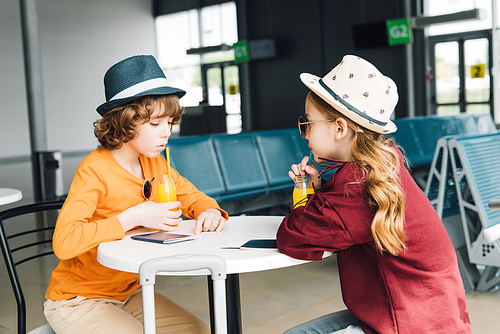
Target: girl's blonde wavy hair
x,y
118,126
380,164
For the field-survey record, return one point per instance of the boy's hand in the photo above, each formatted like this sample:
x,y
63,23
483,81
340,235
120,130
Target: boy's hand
x,y
303,168
152,215
209,220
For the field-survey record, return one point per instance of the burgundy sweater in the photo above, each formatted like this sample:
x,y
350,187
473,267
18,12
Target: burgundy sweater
x,y
419,291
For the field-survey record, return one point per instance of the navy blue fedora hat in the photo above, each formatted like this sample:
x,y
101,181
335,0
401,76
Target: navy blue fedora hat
x,y
132,78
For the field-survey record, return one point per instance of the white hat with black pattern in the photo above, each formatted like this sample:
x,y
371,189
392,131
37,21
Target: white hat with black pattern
x,y
359,91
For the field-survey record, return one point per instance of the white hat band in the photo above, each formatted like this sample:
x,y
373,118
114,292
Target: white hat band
x,y
141,87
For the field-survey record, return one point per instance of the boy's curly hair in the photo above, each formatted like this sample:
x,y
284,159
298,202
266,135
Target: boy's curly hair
x,y
118,126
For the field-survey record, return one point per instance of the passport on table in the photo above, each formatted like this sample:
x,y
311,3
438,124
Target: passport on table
x,y
162,237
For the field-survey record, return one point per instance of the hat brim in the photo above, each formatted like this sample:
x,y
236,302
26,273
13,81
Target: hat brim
x,y
106,107
312,82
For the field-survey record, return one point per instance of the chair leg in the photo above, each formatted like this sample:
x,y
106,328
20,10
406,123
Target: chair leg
x,y
233,304
148,309
489,279
469,272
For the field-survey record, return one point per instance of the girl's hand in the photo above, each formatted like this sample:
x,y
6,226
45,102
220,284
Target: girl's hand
x,y
152,215
209,220
303,168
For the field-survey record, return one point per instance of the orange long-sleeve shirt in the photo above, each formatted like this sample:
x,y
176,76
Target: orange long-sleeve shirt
x,y
102,189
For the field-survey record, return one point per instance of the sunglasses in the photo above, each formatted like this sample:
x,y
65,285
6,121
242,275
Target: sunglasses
x,y
147,189
303,125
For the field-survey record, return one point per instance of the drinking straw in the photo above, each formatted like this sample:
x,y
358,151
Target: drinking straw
x,y
167,153
310,158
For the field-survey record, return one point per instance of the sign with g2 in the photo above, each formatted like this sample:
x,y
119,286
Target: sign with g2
x,y
398,31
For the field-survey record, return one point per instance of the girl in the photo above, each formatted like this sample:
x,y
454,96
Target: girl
x,y
111,194
397,265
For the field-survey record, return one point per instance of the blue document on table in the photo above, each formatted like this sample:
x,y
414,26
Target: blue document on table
x,y
260,243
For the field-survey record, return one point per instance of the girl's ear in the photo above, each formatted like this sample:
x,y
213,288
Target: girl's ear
x,y
341,128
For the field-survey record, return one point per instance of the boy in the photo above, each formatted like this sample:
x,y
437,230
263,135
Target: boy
x,y
110,194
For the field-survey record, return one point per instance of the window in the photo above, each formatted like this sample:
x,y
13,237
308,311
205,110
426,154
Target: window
x,y
461,56
208,76
441,7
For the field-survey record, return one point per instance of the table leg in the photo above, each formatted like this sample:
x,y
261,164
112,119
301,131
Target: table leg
x,y
233,304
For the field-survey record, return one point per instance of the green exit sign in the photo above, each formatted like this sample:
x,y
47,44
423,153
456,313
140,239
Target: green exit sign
x,y
398,31
241,52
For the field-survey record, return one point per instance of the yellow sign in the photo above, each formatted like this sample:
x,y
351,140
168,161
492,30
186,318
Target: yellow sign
x,y
233,89
477,71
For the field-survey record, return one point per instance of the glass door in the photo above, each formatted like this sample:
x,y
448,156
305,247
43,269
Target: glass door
x,y
222,89
461,81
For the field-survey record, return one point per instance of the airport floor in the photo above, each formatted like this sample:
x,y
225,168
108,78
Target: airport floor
x,y
271,301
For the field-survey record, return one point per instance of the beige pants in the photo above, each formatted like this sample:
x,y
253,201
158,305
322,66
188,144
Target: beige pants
x,y
81,315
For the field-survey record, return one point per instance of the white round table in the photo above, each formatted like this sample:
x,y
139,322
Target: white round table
x,y
128,254
10,195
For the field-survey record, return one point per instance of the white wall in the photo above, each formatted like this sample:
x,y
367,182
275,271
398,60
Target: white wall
x,y
14,140
80,40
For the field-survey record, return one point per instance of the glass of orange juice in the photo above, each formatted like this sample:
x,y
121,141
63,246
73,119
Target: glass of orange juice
x,y
166,190
302,188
